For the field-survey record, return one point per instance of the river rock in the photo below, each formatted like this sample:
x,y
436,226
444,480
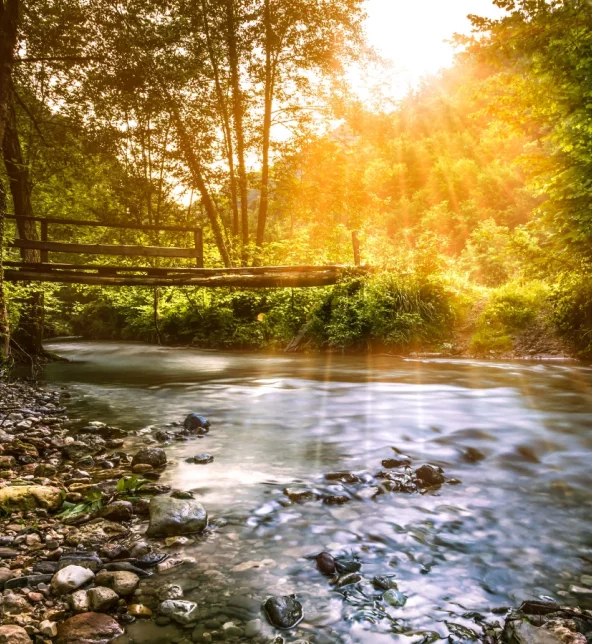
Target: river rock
x,y
429,475
283,612
299,496
394,598
121,581
71,578
195,422
519,632
180,611
391,463
171,517
79,601
89,628
169,591
48,628
342,477
154,456
326,563
15,605
102,599
77,450
201,459
29,497
139,610
5,575
11,634
117,511
384,583
86,559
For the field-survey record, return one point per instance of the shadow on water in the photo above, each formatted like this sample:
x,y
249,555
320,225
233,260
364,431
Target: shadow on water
x,y
516,434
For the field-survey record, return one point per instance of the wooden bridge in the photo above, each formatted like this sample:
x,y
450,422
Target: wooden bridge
x,y
114,275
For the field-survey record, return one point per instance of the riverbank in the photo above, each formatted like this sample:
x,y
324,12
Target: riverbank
x,y
93,544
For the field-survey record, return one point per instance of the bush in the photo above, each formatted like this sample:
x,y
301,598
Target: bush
x,y
571,305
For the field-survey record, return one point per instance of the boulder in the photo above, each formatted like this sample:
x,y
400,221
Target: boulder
x,y
195,422
180,611
121,581
29,497
12,634
102,599
171,517
89,628
154,456
71,578
283,612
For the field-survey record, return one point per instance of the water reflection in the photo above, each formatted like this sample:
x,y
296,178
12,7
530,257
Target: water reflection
x,y
517,435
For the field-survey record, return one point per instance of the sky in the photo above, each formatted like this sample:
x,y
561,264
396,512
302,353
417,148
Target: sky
x,y
411,33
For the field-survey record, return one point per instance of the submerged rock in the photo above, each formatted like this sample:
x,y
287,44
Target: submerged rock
x,y
394,598
283,612
89,628
180,611
28,497
384,583
299,496
172,517
201,459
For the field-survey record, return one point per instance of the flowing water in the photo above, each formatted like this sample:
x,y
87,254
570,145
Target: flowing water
x,y
518,526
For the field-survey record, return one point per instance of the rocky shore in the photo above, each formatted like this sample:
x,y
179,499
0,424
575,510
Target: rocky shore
x,y
86,533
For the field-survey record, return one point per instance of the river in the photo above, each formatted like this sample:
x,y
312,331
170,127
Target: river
x,y
517,527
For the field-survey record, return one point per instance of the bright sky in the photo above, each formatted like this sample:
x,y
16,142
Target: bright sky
x,y
411,33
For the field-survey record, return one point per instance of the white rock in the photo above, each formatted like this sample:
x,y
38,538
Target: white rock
x,y
71,578
49,629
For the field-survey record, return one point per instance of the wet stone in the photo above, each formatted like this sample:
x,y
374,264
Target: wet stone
x,y
195,422
200,459
326,563
384,583
394,598
284,612
180,611
429,475
154,456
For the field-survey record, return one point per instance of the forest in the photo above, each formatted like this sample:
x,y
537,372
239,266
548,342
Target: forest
x,y
470,196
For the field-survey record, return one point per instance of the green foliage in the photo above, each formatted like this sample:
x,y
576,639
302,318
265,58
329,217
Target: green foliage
x,y
130,485
93,501
571,302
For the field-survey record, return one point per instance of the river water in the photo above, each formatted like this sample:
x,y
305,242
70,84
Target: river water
x,y
518,526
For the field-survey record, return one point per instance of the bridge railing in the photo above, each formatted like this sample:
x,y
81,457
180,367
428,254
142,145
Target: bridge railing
x,y
45,246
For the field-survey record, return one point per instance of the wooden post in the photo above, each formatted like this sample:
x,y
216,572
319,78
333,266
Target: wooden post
x,y
44,253
356,244
198,240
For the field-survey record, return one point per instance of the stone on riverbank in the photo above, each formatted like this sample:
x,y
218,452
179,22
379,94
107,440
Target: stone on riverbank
x,y
102,599
171,517
195,422
11,634
71,578
154,456
429,475
121,581
29,497
89,628
283,612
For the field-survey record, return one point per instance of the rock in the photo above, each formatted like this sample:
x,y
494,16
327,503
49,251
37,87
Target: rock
x,y
336,499
169,591
29,497
195,422
139,610
48,628
429,475
149,559
102,599
71,578
325,563
126,566
5,575
7,462
15,605
180,611
252,628
154,456
121,581
283,612
394,598
299,496
12,634
342,477
177,541
117,511
201,459
88,559
141,468
171,517
27,581
519,632
230,629
88,628
181,494
473,455
348,579
45,469
384,583
391,463
79,601
77,450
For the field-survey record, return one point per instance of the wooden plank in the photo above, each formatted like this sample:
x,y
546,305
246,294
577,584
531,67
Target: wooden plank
x,y
278,280
105,249
254,270
44,253
198,241
99,224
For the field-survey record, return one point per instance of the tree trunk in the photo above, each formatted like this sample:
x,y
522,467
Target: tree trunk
x,y
9,12
30,329
225,123
238,112
200,184
264,197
